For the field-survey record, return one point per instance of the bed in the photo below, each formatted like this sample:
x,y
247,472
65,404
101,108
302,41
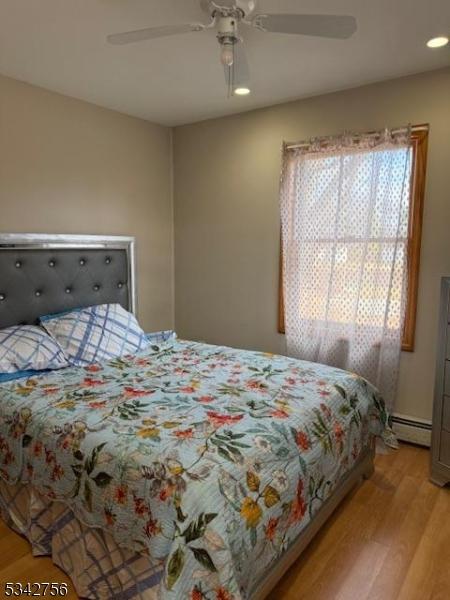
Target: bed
x,y
185,471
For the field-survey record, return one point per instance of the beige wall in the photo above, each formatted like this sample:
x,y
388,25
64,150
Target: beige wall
x,y
227,224
67,166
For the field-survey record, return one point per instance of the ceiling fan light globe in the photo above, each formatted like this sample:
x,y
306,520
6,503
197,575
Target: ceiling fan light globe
x,y
227,55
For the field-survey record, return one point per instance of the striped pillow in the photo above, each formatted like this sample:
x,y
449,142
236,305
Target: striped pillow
x,y
28,347
96,333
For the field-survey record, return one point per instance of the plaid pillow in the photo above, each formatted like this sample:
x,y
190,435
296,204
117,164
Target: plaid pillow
x,y
159,337
28,347
96,333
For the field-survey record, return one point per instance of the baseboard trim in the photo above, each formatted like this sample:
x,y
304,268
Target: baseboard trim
x,y
412,429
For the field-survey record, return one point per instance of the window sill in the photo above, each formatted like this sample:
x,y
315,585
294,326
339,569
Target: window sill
x,y
406,346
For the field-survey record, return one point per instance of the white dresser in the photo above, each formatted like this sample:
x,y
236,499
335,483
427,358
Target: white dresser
x,y
440,436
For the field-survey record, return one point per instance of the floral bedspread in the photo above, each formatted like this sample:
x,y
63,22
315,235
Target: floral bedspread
x,y
209,459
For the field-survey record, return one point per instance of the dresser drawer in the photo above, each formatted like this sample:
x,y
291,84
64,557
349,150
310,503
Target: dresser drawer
x,y
444,450
446,413
447,378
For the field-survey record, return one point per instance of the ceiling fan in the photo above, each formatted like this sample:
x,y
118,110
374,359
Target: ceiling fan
x,y
227,15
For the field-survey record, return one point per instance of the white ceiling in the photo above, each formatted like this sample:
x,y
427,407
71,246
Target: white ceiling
x,y
60,45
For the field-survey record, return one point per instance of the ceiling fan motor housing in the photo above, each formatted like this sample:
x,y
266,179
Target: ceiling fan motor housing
x,y
227,30
243,8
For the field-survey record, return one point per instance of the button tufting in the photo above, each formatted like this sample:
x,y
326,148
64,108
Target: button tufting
x,y
18,264
37,293
96,288
82,261
108,260
120,285
51,263
2,297
68,290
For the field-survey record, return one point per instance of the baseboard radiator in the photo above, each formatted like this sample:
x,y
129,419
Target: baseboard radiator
x,y
412,429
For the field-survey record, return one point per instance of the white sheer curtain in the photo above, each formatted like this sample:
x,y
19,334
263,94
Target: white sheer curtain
x,y
345,213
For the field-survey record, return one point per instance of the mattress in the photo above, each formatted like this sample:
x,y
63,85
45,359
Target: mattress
x,y
209,461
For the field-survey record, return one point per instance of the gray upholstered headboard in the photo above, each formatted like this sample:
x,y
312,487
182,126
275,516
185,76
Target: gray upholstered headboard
x,y
44,274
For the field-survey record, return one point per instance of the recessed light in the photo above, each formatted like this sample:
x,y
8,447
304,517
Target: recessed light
x,y
242,91
437,42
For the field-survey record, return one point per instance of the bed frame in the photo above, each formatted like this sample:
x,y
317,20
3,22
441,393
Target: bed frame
x,y
44,274
363,469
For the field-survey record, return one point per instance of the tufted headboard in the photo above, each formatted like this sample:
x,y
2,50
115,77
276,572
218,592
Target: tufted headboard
x,y
44,274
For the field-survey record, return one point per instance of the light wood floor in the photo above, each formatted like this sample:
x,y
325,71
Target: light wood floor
x,y
389,540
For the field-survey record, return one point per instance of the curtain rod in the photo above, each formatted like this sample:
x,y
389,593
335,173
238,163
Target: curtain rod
x,y
304,144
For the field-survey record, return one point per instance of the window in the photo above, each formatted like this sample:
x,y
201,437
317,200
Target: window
x,y
345,254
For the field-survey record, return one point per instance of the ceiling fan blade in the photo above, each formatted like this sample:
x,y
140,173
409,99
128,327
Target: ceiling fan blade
x,y
331,26
150,33
238,75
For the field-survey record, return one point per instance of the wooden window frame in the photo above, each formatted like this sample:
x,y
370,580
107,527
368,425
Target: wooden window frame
x,y
419,143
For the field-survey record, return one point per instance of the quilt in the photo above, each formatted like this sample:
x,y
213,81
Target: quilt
x,y
206,459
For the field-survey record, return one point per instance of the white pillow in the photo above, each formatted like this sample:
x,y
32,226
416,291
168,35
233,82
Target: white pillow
x,y
96,333
28,347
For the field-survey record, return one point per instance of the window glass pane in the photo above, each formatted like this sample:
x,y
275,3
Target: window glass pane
x,y
336,194
350,216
